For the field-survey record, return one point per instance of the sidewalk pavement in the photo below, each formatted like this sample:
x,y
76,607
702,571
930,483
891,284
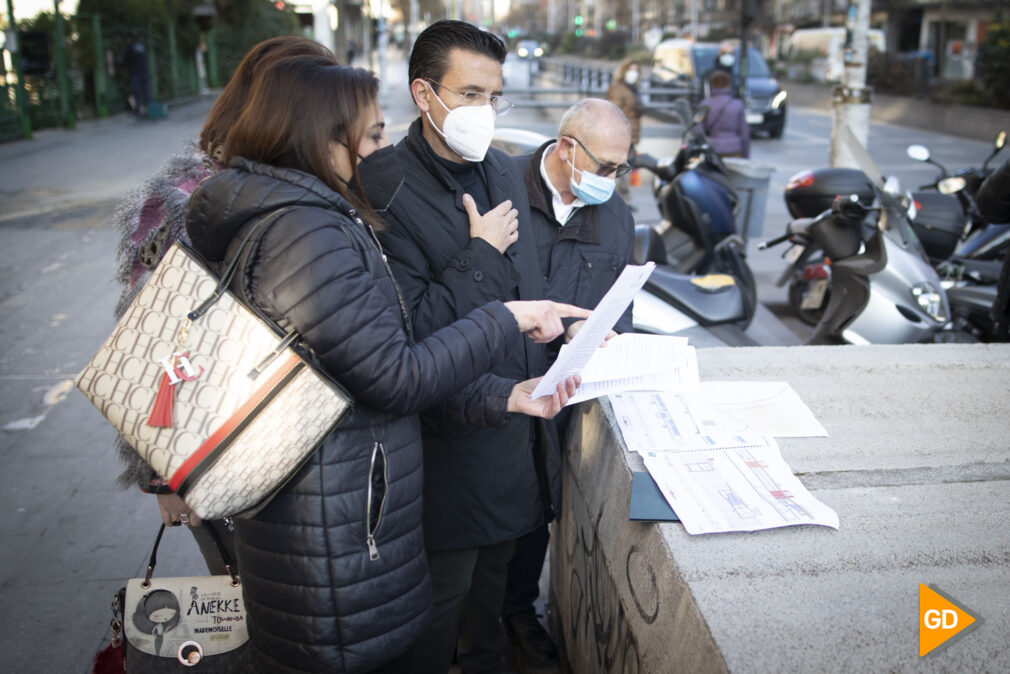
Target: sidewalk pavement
x,y
70,537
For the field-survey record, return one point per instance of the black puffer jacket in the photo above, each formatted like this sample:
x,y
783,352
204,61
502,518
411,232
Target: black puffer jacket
x,y
482,485
317,600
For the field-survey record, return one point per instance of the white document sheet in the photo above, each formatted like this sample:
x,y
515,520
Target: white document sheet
x,y
599,323
743,489
753,408
662,422
633,362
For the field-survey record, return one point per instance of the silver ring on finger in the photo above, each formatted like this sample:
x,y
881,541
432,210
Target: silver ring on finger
x,y
184,518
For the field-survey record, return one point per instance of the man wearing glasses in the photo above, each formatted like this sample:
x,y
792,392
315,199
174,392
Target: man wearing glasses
x,y
483,486
584,234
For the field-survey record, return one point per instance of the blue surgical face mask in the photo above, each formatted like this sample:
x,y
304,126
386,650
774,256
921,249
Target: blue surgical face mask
x,y
591,188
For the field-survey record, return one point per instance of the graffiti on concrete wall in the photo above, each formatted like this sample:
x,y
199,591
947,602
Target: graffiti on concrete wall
x,y
597,625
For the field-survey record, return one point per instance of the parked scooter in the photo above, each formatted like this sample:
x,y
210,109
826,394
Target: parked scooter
x,y
962,183
875,284
698,205
675,303
967,251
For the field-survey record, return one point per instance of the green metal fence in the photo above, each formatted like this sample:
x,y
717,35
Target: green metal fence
x,y
85,78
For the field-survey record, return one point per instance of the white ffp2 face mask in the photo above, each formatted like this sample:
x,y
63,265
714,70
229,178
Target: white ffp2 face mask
x,y
631,77
467,130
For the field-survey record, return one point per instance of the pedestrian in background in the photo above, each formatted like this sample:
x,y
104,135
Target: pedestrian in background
x,y
725,124
153,217
623,92
134,60
333,568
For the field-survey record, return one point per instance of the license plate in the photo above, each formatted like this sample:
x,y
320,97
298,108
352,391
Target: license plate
x,y
794,253
815,298
754,118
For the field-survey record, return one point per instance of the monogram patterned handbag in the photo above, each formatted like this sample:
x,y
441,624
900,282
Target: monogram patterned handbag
x,y
208,391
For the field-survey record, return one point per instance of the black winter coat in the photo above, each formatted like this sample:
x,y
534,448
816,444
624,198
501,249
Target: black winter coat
x,y
482,485
581,260
317,601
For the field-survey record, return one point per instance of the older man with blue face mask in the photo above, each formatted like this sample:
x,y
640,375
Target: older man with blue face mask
x,y
583,232
583,235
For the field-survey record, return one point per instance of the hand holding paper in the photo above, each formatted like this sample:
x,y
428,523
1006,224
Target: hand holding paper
x,y
578,352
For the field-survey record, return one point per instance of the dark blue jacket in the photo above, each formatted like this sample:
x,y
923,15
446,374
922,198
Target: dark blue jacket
x,y
316,599
580,261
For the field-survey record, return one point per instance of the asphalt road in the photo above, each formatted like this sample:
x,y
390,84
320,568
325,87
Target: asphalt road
x,y
68,537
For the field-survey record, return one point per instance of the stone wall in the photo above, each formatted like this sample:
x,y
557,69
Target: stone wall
x,y
619,603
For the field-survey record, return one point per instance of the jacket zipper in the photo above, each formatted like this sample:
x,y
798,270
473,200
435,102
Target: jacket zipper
x,y
385,262
373,549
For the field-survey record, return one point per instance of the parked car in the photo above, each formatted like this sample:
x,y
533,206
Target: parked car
x,y
686,64
825,47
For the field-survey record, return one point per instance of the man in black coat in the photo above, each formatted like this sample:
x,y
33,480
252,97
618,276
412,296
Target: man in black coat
x,y
483,487
583,244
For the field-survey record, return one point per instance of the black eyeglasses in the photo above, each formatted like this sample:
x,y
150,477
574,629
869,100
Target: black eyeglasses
x,y
499,104
605,168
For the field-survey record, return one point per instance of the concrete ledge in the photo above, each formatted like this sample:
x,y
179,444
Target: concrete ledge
x,y
918,469
955,120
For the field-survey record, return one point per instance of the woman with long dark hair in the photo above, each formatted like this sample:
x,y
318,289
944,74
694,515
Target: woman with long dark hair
x,y
334,569
151,218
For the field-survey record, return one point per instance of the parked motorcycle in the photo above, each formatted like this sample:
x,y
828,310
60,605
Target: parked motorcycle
x,y
967,251
698,205
963,183
873,282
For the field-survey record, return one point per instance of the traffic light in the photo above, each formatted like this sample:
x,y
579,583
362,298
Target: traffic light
x,y
578,19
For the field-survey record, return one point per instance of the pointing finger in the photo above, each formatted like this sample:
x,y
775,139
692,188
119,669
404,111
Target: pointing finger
x,y
571,311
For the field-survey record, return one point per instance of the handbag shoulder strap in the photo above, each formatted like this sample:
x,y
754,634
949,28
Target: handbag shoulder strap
x,y
252,236
153,561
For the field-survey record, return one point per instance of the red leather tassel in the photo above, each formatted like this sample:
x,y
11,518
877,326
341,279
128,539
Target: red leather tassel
x,y
161,412
110,660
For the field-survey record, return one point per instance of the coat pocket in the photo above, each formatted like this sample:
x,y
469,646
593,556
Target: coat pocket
x,y
598,271
376,498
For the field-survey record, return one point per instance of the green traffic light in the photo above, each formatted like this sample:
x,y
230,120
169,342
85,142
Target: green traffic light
x,y
578,19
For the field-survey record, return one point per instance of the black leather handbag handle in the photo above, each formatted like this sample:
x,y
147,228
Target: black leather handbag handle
x,y
217,541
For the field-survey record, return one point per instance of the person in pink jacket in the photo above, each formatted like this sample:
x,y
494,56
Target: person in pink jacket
x,y
725,124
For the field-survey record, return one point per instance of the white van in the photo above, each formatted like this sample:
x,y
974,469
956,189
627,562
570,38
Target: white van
x,y
828,65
